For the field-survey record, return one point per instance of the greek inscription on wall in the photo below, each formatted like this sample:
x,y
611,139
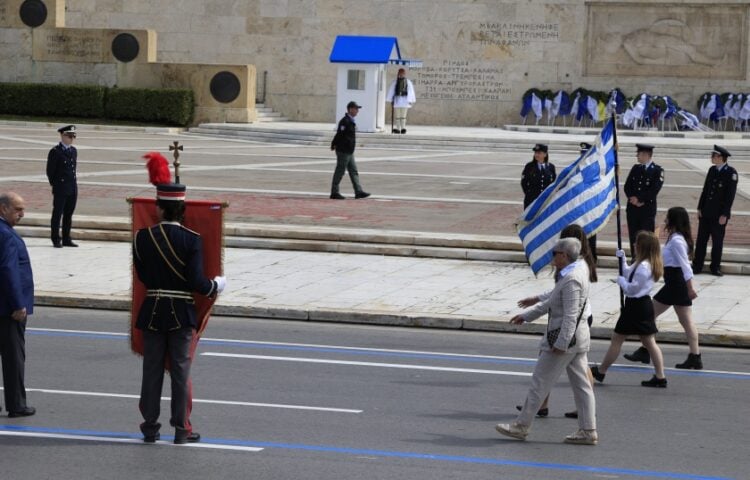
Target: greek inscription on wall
x,y
460,80
3,13
515,34
69,45
695,41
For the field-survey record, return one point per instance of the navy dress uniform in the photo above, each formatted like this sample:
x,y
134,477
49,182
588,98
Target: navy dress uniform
x,y
61,173
642,186
537,176
168,259
714,210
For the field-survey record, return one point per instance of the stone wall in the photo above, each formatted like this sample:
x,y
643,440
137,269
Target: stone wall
x,y
479,56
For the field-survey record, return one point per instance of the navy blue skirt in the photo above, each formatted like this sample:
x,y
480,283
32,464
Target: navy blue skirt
x,y
674,291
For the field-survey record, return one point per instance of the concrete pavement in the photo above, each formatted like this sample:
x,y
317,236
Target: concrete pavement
x,y
372,289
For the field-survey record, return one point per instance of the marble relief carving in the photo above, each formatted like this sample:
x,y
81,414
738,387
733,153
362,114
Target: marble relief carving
x,y
703,41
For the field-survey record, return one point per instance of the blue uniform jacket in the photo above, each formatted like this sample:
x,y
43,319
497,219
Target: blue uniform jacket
x,y
718,192
61,170
169,256
16,279
644,182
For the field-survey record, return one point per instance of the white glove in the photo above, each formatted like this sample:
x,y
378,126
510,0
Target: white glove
x,y
619,253
221,283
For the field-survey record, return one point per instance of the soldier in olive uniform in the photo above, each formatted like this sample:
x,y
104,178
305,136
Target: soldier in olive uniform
x,y
61,173
641,187
344,143
537,175
714,210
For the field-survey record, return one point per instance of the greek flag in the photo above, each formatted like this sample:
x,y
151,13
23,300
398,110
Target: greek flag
x,y
584,193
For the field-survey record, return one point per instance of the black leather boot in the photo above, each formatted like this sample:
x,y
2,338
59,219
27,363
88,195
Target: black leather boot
x,y
640,355
693,362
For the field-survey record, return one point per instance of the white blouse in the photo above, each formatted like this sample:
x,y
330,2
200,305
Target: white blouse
x,y
675,254
642,283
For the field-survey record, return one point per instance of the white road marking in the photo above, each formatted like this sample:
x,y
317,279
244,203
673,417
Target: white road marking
x,y
367,364
135,441
196,400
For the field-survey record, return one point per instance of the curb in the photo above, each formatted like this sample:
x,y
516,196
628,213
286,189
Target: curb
x,y
448,322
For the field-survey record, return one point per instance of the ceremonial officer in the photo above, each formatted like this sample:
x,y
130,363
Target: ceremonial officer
x,y
401,96
537,175
61,173
714,210
168,259
344,143
641,187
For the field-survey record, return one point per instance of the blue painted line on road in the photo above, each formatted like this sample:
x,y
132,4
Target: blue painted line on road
x,y
376,353
392,454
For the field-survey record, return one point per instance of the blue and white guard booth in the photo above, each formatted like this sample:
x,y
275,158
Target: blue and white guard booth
x,y
361,78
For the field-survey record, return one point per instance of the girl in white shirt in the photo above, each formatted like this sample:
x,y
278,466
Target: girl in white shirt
x,y
637,316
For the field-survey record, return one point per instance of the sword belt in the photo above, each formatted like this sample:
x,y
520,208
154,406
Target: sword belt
x,y
158,293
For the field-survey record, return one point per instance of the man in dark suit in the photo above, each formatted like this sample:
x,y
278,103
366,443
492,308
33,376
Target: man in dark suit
x,y
168,259
537,175
344,142
61,173
714,210
641,187
16,304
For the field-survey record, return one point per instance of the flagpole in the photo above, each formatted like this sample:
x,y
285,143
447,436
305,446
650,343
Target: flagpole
x,y
617,193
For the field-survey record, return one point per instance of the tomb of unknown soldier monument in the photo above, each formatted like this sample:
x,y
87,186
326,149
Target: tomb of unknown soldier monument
x,y
478,59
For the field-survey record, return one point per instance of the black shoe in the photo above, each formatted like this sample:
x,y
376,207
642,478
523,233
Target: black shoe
x,y
573,414
655,382
69,243
640,355
693,362
362,194
599,376
337,196
194,437
395,130
181,436
696,270
403,130
151,438
57,244
717,273
541,413
26,412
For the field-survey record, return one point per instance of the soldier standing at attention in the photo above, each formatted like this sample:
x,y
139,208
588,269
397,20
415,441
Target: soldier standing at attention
x,y
537,175
641,187
61,173
168,259
714,210
344,142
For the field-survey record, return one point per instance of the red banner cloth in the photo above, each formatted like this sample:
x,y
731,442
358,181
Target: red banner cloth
x,y
204,217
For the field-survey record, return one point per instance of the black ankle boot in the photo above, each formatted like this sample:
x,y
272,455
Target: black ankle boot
x,y
640,355
599,376
693,362
655,382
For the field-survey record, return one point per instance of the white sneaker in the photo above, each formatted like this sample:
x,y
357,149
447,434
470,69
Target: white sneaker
x,y
583,437
515,430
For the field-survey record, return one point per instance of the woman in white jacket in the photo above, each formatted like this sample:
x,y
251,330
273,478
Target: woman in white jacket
x,y
564,347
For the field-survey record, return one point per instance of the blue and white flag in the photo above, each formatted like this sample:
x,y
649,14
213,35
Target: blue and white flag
x,y
584,193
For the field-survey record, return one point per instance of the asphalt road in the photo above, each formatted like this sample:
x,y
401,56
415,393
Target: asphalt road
x,y
286,400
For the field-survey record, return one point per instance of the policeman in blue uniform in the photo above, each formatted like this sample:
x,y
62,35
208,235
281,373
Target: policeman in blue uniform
x,y
714,210
641,188
168,259
537,175
61,173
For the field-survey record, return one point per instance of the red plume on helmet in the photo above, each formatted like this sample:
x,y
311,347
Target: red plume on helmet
x,y
158,168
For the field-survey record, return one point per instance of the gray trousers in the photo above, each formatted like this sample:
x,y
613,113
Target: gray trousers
x,y
548,369
156,347
345,162
13,353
